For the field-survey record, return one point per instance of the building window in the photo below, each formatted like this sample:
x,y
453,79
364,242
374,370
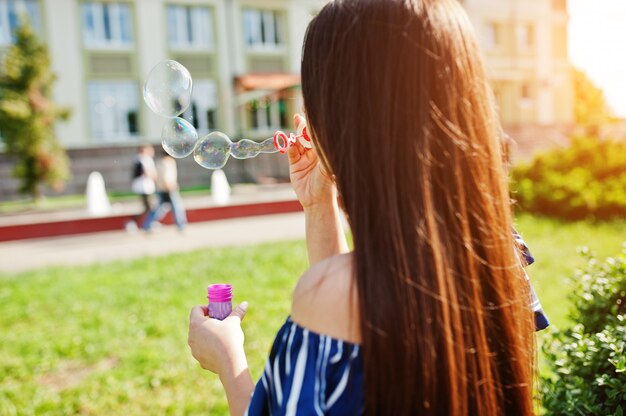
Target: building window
x,y
526,99
10,12
492,35
202,112
526,36
262,28
559,41
106,25
266,115
190,27
113,110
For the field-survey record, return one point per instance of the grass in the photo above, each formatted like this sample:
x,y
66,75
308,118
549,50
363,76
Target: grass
x,y
111,338
554,245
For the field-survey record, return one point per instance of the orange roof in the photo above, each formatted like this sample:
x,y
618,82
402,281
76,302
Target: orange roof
x,y
270,81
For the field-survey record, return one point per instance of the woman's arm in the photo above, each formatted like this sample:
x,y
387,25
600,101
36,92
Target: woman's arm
x,y
218,347
325,236
239,387
317,193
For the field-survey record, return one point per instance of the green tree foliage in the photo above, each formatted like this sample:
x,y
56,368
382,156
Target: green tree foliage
x,y
590,107
588,361
586,180
27,115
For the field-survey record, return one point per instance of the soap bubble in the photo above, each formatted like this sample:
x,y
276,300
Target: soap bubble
x,y
244,149
213,150
168,89
178,137
167,92
267,146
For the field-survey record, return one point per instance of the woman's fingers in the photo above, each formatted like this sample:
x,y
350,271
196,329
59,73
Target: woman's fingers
x,y
294,154
199,312
297,120
239,311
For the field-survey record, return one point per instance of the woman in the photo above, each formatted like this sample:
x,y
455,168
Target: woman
x,y
429,313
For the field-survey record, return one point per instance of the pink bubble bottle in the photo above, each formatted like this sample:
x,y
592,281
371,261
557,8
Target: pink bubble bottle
x,y
220,301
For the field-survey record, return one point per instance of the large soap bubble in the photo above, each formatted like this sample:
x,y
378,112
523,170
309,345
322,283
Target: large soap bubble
x,y
167,90
213,150
178,137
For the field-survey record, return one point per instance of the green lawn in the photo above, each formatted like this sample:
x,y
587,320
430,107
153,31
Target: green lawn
x,y
554,245
111,339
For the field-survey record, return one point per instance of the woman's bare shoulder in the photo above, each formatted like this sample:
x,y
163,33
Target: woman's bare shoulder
x,y
325,301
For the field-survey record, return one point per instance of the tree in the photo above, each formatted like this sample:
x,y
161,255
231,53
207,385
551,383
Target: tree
x,y
590,107
27,115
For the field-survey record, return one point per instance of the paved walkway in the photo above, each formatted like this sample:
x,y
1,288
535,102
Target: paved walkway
x,y
103,247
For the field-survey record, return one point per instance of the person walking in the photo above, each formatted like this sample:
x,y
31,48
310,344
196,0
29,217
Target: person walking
x,y
143,184
168,194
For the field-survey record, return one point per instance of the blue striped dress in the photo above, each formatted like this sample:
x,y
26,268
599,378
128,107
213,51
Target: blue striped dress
x,y
541,319
309,374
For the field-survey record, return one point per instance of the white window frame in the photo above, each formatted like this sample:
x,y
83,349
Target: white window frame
x,y
492,35
267,115
29,7
526,99
196,21
204,99
526,36
118,12
262,29
110,103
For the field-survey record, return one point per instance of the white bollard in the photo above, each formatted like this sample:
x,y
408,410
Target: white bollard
x,y
97,199
220,189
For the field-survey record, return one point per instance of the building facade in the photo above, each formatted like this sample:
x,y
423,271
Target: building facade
x,y
244,56
240,53
103,50
524,43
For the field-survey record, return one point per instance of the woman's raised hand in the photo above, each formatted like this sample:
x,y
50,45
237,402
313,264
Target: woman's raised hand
x,y
312,184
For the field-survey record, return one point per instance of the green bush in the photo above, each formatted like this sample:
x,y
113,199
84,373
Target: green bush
x,y
588,361
586,180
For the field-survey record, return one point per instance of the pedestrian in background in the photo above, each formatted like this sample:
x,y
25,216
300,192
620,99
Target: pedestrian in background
x,y
144,176
169,197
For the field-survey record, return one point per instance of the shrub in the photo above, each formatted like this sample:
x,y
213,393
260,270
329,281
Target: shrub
x,y
586,180
27,115
588,361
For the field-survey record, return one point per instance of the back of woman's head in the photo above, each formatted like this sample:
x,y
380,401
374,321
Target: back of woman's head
x,y
398,104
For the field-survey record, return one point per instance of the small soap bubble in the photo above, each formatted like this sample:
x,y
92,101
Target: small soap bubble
x,y
267,146
213,150
178,137
167,90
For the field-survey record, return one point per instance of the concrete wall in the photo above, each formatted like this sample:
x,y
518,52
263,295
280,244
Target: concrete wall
x,y
115,163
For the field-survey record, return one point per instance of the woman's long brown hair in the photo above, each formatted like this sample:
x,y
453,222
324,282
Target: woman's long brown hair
x,y
400,110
